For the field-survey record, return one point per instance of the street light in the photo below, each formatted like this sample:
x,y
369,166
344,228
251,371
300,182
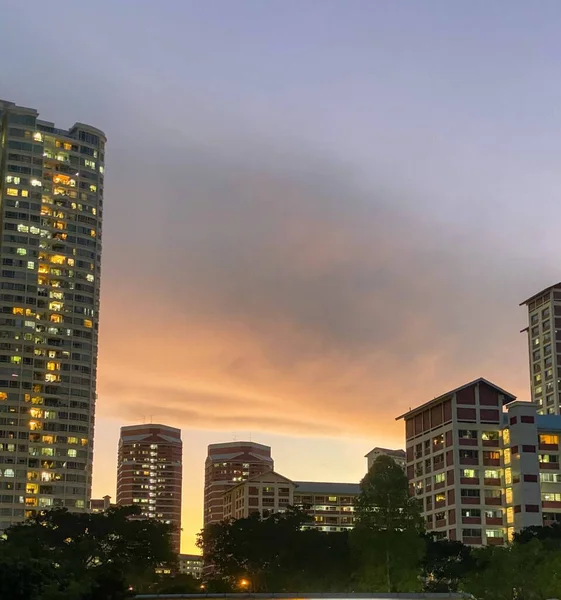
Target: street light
x,y
244,583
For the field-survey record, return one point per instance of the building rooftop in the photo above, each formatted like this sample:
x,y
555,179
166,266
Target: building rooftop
x,y
320,487
378,450
131,428
414,411
238,444
547,289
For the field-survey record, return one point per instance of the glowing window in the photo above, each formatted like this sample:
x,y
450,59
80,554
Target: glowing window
x,y
58,259
30,264
21,251
24,193
93,188
3,396
88,323
507,456
56,318
9,473
549,439
36,413
47,451
16,360
53,366
72,440
38,136
36,183
11,191
23,228
17,310
72,453
508,495
50,378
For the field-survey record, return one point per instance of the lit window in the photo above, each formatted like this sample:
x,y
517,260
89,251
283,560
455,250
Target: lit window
x,y
11,191
36,183
21,251
36,413
38,136
72,453
3,396
9,473
508,495
508,476
56,318
30,264
93,188
23,228
88,323
24,193
17,310
507,456
16,360
549,439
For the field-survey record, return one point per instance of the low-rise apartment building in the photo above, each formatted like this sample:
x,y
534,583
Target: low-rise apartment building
x,y
397,455
191,564
331,505
264,492
482,464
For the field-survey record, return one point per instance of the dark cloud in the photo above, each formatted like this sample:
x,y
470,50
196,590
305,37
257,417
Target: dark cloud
x,y
285,281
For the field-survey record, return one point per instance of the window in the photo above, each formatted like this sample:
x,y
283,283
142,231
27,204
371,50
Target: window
x,y
549,439
494,533
508,476
441,497
469,473
551,497
469,493
508,495
490,435
439,478
507,456
471,513
548,458
471,533
550,477
492,474
469,454
467,434
438,440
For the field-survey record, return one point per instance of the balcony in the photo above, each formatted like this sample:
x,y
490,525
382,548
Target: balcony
x,y
493,521
492,462
491,481
466,460
468,442
469,480
491,443
552,447
471,520
470,500
549,466
491,501
495,541
472,541
440,523
551,504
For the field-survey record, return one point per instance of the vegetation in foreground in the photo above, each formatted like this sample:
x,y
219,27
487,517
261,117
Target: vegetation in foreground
x,y
114,555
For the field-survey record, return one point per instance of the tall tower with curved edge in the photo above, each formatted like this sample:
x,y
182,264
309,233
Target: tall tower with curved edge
x,y
51,207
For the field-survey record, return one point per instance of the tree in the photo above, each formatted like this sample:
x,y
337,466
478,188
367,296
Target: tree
x,y
274,553
386,541
83,556
445,564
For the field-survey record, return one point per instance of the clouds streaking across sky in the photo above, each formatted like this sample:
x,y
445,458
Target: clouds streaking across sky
x,y
318,213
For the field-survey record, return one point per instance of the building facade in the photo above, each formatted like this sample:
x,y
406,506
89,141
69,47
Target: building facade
x,y
98,505
227,465
191,564
266,492
149,473
483,465
51,192
331,505
397,455
544,348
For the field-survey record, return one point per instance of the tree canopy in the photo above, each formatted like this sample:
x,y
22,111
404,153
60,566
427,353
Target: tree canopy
x,y
81,556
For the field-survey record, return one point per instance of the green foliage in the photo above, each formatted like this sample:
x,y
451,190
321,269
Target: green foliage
x,y
62,555
445,564
386,541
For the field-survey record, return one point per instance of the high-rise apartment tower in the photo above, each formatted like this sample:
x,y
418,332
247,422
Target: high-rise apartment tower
x,y
149,473
544,348
51,193
225,466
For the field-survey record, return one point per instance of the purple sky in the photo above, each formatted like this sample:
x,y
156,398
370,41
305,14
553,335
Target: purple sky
x,y
318,213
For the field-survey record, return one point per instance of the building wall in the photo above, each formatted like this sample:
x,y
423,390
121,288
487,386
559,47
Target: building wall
x,y
331,505
191,564
150,472
268,492
51,193
397,455
480,480
544,348
227,465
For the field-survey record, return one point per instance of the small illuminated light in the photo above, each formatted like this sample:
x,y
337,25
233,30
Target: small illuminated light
x,y
35,183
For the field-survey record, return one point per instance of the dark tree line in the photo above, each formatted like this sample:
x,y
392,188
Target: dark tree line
x,y
102,556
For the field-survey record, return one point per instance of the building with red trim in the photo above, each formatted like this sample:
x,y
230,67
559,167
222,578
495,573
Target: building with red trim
x,y
482,464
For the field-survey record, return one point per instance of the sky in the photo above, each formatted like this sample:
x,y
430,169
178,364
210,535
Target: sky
x,y
318,213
